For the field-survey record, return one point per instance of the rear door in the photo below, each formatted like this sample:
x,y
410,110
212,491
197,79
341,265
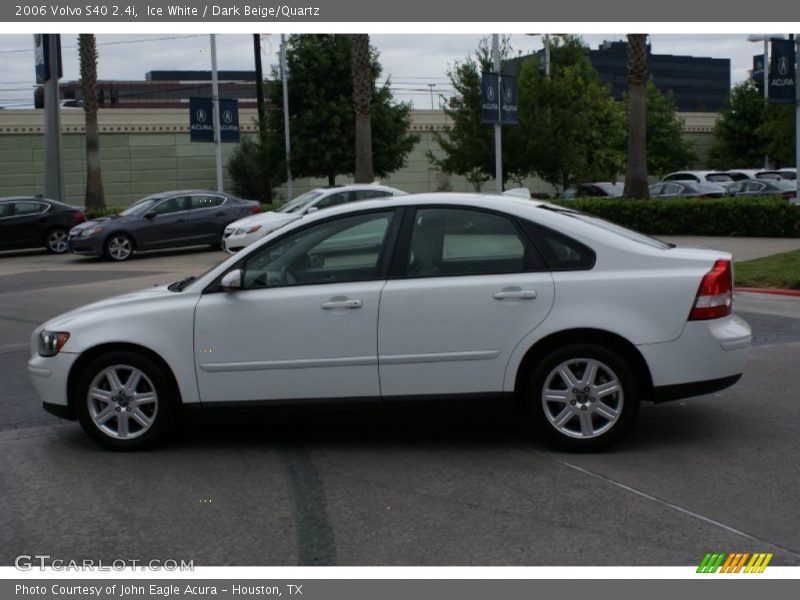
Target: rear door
x,y
468,287
208,214
28,224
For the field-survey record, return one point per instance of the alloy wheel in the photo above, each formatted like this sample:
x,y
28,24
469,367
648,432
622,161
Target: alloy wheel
x,y
582,398
122,402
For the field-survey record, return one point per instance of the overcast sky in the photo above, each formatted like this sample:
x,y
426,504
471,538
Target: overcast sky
x,y
413,62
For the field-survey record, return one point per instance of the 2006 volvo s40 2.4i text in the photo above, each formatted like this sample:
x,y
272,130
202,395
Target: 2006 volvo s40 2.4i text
x,y
441,296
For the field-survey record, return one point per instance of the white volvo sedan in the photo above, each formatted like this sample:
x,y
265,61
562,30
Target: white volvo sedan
x,y
440,296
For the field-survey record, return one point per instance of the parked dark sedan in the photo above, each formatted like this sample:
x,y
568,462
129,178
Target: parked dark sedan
x,y
165,220
758,188
34,222
687,189
597,189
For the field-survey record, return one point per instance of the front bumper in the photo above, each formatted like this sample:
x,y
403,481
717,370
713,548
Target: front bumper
x,y
91,246
708,356
49,376
234,243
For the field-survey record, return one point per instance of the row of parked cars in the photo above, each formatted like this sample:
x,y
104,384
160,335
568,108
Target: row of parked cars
x,y
165,220
703,184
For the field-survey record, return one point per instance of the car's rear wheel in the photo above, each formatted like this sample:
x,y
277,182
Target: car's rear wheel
x,y
583,397
125,401
57,240
119,247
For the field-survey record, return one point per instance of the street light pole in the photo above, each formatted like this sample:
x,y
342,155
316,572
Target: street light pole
x,y
215,101
766,90
797,114
498,133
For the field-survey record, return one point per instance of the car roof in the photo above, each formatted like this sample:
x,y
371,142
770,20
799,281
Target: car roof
x,y
359,186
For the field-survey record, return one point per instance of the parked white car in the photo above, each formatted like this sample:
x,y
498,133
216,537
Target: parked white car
x,y
244,232
450,296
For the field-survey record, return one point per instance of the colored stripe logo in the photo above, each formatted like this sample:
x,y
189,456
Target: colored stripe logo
x,y
738,562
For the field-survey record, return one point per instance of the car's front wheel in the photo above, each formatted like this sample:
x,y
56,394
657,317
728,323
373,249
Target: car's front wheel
x,y
126,401
583,397
119,247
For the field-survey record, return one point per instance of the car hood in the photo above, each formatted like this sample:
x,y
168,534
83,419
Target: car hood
x,y
101,220
67,319
270,219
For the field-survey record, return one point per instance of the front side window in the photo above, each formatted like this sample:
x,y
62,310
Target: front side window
x,y
335,200
446,242
346,249
6,209
171,205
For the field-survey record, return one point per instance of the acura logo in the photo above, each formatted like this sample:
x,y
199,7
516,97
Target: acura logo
x,y
509,96
202,116
227,117
490,93
783,65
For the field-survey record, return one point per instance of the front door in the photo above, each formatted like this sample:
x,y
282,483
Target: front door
x,y
304,324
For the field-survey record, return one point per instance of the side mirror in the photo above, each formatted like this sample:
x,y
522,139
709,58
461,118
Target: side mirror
x,y
150,215
311,209
232,280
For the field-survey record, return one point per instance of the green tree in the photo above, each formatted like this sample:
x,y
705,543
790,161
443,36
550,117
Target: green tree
x,y
778,131
322,115
256,167
467,146
739,139
87,52
636,164
667,148
571,129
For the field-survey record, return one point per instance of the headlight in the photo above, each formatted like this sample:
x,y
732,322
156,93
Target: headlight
x,y
91,231
252,229
51,342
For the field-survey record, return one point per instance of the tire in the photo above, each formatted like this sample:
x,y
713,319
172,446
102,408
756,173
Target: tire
x,y
596,409
121,414
56,240
118,247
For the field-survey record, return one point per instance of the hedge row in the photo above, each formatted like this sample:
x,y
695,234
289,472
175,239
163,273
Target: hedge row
x,y
767,217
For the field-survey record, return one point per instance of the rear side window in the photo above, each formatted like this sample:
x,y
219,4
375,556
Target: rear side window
x,y
29,208
447,242
205,202
560,252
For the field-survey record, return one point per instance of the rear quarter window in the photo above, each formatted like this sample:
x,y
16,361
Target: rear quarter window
x,y
559,252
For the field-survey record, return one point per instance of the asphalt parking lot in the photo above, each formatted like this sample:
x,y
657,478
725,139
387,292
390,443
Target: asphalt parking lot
x,y
417,487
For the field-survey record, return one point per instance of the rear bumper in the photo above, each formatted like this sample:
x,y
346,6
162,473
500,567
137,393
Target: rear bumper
x,y
665,393
708,355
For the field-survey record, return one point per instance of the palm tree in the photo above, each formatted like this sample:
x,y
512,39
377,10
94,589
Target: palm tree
x,y
636,168
361,64
87,50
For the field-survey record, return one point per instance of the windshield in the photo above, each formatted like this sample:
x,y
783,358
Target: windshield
x,y
300,202
609,226
141,207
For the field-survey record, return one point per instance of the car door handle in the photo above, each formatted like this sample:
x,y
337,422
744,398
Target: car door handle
x,y
342,303
515,295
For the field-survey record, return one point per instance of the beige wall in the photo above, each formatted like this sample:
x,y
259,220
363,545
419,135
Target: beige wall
x,y
146,150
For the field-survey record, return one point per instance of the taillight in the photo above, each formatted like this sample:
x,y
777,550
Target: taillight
x,y
79,217
715,295
789,195
254,209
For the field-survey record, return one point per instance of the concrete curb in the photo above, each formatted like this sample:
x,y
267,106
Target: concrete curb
x,y
773,291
